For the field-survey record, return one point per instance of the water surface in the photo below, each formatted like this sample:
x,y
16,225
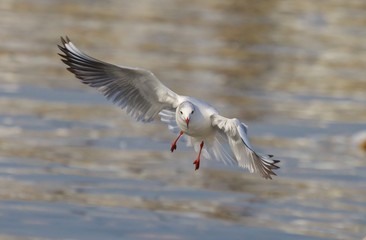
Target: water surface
x,y
73,166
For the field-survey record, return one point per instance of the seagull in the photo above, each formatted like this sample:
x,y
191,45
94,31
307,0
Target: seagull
x,y
144,97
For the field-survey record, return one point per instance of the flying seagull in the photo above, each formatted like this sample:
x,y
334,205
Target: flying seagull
x,y
144,97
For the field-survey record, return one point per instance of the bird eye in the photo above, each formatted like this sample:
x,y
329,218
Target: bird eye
x,y
192,112
181,112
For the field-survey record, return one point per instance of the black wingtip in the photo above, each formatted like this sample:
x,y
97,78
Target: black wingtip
x,y
271,167
65,40
63,47
65,57
62,55
274,166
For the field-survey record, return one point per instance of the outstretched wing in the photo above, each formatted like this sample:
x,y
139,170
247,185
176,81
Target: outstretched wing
x,y
135,89
241,150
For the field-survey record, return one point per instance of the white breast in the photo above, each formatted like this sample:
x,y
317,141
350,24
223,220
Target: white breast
x,y
200,122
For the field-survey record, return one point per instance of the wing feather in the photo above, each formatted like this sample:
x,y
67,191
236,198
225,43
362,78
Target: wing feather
x,y
219,148
242,152
168,117
134,89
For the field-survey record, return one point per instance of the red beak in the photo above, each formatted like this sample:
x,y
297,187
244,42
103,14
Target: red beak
x,y
187,121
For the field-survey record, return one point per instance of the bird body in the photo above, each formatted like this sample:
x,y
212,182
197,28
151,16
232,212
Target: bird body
x,y
144,97
200,124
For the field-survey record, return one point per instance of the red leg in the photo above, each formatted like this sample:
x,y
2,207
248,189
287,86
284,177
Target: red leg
x,y
174,144
197,161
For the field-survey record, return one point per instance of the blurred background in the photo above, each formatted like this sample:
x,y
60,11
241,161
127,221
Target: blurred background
x,y
73,166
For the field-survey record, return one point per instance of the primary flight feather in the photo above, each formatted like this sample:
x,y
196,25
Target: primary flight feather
x,y
144,97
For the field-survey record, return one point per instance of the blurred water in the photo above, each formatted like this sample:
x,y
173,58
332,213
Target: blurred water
x,y
73,166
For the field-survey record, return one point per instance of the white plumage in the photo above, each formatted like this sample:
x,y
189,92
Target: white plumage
x,y
144,97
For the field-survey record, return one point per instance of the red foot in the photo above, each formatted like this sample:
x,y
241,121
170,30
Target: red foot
x,y
197,161
174,144
197,164
173,147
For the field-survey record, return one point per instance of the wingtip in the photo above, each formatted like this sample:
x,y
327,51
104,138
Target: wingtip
x,y
275,161
268,177
65,40
270,168
59,47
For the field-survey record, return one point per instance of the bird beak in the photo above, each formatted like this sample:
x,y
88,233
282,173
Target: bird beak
x,y
187,121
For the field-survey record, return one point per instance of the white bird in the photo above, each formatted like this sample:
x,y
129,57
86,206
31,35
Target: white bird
x,y
144,97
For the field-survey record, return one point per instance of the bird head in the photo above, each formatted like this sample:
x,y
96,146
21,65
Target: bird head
x,y
185,111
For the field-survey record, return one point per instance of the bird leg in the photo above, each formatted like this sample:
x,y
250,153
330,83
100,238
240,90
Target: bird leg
x,y
174,144
197,161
